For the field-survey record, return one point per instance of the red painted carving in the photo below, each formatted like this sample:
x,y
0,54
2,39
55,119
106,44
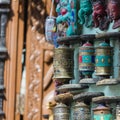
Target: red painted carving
x,y
114,12
100,15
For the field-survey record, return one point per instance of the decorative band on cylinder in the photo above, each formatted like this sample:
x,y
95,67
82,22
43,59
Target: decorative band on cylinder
x,y
81,111
61,112
103,59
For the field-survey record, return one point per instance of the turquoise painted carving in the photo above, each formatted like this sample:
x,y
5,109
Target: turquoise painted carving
x,y
66,19
85,13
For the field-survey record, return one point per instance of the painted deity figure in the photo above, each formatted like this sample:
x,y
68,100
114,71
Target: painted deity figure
x,y
114,12
99,14
85,13
66,18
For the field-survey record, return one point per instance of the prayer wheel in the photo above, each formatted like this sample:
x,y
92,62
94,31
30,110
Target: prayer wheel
x,y
103,60
81,111
118,112
61,112
102,113
63,63
86,58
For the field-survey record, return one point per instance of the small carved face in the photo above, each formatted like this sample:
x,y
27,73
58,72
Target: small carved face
x,y
98,9
114,11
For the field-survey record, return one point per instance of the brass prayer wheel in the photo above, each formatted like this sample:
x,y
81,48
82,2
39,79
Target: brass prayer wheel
x,y
81,111
103,60
61,112
63,63
102,112
86,58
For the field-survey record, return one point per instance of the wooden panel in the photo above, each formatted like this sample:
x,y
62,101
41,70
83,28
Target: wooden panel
x,y
10,65
20,45
36,67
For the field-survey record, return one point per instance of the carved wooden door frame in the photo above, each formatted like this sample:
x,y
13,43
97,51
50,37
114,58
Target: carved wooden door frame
x,y
35,75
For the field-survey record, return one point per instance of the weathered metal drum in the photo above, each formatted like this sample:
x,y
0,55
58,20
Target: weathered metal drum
x,y
63,63
102,113
81,111
103,59
61,112
86,58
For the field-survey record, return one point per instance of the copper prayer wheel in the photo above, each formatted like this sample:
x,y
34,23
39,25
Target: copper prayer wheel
x,y
63,63
61,112
103,60
81,111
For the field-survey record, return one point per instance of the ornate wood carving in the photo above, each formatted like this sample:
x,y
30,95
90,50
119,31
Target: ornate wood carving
x,y
37,71
38,62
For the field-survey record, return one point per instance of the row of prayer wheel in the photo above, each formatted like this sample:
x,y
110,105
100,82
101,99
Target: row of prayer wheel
x,y
81,111
98,59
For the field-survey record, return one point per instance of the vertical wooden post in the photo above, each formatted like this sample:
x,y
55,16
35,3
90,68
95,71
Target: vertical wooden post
x,y
10,65
20,44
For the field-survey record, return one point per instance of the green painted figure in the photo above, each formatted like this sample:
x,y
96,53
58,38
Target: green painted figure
x,y
85,13
66,17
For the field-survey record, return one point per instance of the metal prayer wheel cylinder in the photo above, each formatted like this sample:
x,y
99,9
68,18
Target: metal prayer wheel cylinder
x,y
81,111
61,112
103,59
86,58
63,63
102,113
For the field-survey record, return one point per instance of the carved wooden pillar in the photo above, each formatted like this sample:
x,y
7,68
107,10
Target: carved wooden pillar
x,y
10,72
36,66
